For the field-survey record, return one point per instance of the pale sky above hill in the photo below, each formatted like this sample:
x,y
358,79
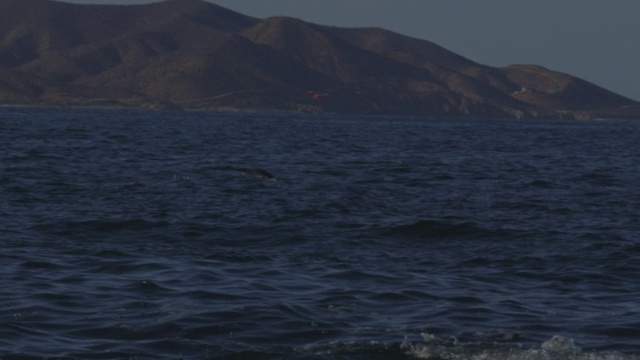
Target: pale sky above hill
x,y
593,39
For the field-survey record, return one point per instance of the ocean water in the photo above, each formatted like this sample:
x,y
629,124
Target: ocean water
x,y
130,234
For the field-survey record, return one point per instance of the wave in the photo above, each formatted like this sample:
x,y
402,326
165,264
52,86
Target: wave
x,y
556,348
435,348
68,228
444,230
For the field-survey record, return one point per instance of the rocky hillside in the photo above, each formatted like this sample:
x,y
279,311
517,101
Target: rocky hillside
x,y
193,54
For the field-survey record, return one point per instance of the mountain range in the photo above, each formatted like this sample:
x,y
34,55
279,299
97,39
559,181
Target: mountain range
x,y
196,55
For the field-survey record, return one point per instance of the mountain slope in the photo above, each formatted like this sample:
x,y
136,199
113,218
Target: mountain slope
x,y
193,54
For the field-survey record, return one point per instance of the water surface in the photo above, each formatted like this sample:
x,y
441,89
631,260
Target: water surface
x,y
131,235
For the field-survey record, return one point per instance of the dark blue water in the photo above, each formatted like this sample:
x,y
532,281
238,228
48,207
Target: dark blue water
x,y
132,235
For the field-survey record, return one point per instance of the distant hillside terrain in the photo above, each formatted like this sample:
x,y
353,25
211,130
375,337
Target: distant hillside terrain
x,y
193,54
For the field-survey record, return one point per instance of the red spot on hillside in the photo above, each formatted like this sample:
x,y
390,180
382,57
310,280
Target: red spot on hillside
x,y
315,95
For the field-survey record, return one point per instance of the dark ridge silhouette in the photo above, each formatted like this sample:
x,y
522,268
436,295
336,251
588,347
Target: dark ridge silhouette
x,y
194,54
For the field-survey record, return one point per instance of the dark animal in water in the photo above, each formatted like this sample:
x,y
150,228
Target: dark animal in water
x,y
258,172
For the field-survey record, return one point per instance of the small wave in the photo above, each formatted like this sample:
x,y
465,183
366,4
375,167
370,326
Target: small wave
x,y
99,226
359,350
110,254
41,265
541,183
597,177
442,230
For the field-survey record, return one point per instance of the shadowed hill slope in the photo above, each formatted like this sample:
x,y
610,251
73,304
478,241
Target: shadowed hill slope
x,y
193,54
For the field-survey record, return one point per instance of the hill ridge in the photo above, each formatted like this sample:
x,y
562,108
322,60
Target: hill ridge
x,y
194,54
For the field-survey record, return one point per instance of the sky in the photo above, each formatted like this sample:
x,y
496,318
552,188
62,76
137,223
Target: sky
x,y
595,40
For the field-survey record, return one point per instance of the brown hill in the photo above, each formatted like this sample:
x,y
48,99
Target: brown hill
x,y
193,54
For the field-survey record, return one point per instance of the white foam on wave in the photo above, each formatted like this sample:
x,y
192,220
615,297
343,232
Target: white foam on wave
x,y
556,348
